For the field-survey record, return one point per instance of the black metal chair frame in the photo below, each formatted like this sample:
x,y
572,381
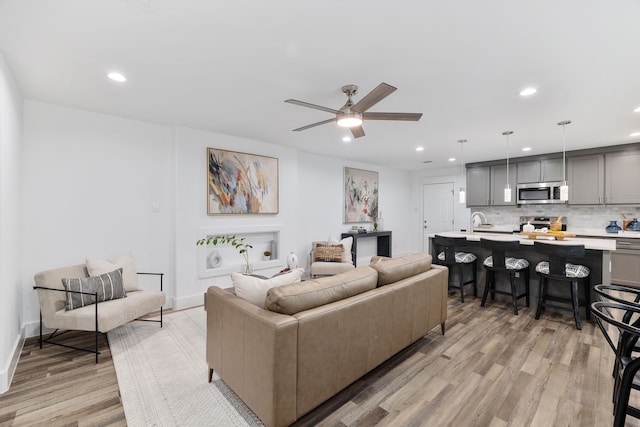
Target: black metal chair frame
x,y
626,367
55,333
448,245
558,255
626,343
499,249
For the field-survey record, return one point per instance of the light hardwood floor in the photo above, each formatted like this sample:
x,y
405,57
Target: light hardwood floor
x,y
492,368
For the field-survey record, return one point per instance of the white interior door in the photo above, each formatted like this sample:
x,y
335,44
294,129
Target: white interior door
x,y
437,210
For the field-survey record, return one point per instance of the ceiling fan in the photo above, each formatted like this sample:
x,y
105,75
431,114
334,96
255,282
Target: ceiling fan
x,y
352,115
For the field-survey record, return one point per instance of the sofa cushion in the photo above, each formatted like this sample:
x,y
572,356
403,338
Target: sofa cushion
x,y
291,299
106,287
254,289
97,267
395,269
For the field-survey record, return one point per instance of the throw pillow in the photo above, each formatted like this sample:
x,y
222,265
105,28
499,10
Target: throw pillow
x,y
347,242
96,267
254,289
107,287
328,253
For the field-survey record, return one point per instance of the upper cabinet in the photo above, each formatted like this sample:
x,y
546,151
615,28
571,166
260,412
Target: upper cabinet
x,y
498,182
585,176
545,170
478,179
485,186
622,178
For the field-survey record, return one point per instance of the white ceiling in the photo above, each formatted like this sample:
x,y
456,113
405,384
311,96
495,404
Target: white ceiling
x,y
227,66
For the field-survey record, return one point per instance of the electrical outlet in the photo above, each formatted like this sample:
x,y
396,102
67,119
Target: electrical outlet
x,y
155,207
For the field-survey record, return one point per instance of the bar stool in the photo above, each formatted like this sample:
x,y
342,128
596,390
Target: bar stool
x,y
558,269
498,262
445,247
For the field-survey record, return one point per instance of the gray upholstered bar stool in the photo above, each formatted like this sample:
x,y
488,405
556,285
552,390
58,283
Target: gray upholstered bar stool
x,y
445,248
498,262
559,270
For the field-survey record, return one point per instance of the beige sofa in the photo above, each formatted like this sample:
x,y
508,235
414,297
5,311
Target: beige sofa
x,y
317,337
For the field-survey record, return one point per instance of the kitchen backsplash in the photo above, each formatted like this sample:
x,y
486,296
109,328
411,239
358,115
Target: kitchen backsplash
x,y
577,216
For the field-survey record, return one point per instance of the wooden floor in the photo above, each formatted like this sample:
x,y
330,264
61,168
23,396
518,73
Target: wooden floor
x,y
492,368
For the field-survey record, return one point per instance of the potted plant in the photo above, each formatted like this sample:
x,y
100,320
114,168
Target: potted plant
x,y
237,242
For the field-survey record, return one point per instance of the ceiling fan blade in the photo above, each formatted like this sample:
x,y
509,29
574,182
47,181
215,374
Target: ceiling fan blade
x,y
315,124
372,98
357,131
314,106
410,117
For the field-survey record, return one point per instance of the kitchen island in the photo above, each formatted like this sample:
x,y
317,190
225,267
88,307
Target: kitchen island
x,y
597,258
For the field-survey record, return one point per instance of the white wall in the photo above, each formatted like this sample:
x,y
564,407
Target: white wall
x,y
191,206
11,331
89,184
321,200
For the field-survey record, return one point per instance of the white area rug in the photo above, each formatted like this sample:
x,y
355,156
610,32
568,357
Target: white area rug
x,y
162,375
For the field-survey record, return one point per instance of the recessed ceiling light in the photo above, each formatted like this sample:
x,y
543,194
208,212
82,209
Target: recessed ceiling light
x,y
634,134
346,139
117,77
526,149
528,91
452,159
419,148
637,110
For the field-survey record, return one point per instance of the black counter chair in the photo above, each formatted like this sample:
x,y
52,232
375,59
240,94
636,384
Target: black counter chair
x,y
498,262
624,295
626,366
559,270
445,248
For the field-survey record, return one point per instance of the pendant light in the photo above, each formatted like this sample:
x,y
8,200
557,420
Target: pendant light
x,y
463,193
507,188
564,188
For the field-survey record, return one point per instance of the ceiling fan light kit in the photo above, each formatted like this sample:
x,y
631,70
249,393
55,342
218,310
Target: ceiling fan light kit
x,y
352,115
349,120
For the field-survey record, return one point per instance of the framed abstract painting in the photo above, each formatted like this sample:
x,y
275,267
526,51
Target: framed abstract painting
x,y
360,195
241,183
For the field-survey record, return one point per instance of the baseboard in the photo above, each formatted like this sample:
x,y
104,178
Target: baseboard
x,y
187,302
6,376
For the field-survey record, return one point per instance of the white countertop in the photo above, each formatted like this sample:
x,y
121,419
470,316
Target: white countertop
x,y
601,244
579,232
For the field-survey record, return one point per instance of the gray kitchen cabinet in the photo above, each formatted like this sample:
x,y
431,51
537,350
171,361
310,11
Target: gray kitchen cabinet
x,y
622,177
498,182
478,179
545,170
585,177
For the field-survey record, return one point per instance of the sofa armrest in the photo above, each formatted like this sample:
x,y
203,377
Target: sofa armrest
x,y
255,352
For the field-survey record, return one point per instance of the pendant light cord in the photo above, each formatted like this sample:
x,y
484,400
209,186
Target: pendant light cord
x,y
564,153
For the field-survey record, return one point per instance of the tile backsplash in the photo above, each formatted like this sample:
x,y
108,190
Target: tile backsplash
x,y
576,216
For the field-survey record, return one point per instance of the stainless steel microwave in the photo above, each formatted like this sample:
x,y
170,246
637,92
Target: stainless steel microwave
x,y
538,192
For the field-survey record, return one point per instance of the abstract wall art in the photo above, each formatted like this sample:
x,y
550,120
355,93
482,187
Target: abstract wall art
x,y
241,183
360,195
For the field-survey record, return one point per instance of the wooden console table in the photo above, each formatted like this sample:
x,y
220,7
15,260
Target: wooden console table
x,y
383,238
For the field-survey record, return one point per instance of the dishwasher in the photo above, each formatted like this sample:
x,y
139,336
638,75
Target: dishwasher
x,y
625,262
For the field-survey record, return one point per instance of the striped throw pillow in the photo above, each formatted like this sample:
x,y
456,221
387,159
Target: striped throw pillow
x,y
328,253
107,286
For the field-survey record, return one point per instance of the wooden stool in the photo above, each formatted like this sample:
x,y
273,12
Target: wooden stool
x,y
558,269
498,262
445,247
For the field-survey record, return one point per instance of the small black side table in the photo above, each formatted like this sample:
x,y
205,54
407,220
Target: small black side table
x,y
384,242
